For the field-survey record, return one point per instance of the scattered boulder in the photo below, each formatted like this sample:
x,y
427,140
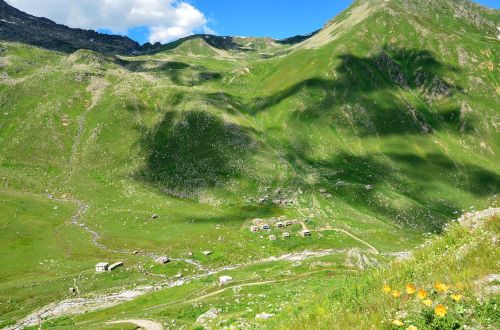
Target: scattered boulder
x,y
340,183
209,315
225,279
264,316
162,260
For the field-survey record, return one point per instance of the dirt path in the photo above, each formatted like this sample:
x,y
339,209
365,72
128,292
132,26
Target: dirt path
x,y
371,247
186,299
76,220
329,228
84,305
81,305
9,222
144,324
287,279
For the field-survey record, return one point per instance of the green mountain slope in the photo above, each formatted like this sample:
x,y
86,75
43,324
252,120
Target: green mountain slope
x,y
382,126
455,271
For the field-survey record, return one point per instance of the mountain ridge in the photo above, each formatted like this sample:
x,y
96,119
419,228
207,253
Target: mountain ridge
x,y
17,26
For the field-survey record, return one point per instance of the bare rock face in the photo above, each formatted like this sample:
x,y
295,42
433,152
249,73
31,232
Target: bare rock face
x,y
18,26
386,64
475,219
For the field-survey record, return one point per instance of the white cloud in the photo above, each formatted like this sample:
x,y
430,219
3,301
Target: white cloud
x,y
167,20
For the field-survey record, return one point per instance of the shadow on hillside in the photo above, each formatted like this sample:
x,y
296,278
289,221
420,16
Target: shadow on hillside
x,y
420,187
193,150
179,73
367,95
239,214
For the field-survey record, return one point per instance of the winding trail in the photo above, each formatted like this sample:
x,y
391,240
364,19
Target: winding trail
x,y
329,228
186,299
144,324
76,220
371,247
97,302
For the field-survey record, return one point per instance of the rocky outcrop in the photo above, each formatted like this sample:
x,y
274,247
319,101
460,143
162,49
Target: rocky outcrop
x,y
17,26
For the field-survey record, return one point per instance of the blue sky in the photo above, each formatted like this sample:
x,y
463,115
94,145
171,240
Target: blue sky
x,y
271,18
167,20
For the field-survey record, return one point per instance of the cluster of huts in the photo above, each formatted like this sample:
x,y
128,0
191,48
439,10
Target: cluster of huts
x,y
279,223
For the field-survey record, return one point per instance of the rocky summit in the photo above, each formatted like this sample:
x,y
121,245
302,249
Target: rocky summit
x,y
252,183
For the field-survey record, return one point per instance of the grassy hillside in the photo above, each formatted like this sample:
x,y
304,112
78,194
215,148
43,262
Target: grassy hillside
x,y
371,133
458,271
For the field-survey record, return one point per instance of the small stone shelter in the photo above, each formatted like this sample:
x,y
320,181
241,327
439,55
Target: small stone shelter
x,y
306,233
115,265
101,267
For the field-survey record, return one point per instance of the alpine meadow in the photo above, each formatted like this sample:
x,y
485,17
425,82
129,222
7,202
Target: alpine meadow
x,y
344,179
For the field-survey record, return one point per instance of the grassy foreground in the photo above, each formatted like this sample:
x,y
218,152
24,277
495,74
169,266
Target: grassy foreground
x,y
449,283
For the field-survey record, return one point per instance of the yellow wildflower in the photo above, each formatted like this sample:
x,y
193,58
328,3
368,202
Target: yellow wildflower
x,y
410,288
440,287
422,294
427,302
386,288
398,323
456,297
396,293
412,327
440,311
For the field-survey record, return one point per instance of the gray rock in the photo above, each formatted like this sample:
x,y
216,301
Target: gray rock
x,y
209,315
264,316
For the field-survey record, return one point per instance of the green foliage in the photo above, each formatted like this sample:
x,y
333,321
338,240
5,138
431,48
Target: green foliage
x,y
393,113
461,257
59,322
